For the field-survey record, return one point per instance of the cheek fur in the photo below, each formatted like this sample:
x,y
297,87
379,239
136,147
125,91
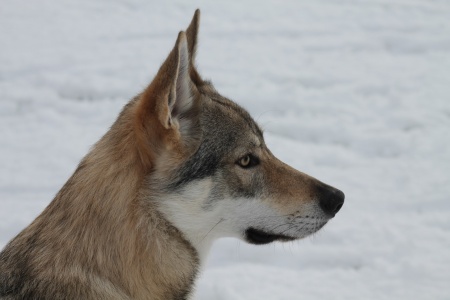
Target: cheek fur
x,y
244,183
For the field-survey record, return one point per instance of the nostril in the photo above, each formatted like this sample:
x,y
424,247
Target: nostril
x,y
339,197
338,208
331,200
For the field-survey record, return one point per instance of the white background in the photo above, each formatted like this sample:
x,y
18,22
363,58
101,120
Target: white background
x,y
355,93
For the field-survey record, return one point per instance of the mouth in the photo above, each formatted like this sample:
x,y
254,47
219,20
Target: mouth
x,y
260,237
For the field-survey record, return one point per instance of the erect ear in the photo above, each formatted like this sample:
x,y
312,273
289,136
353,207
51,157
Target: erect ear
x,y
191,35
192,38
168,108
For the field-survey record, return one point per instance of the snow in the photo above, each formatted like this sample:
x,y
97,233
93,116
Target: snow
x,y
352,92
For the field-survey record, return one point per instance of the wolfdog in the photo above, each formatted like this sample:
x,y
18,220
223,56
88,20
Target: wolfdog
x,y
180,167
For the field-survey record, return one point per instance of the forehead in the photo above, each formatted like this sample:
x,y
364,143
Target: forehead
x,y
230,117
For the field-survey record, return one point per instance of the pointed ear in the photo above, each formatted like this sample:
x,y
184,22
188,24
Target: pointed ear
x,y
167,109
191,35
192,38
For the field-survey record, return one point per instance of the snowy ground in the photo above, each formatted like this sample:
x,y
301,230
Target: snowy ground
x,y
355,93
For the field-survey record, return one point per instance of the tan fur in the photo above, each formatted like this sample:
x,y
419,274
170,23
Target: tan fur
x,y
98,238
143,207
122,239
288,187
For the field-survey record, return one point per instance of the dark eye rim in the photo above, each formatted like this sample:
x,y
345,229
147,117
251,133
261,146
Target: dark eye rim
x,y
254,161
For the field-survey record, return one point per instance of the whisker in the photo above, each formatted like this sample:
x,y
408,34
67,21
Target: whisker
x,y
222,219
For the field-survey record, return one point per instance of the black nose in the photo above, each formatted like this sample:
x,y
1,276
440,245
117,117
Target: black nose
x,y
330,199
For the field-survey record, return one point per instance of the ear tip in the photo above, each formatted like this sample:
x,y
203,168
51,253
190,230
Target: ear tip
x,y
182,37
195,19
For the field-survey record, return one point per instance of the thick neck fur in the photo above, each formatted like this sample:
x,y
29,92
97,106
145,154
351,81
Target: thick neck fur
x,y
100,228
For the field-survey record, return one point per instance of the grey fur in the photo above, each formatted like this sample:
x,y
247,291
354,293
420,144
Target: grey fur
x,y
128,224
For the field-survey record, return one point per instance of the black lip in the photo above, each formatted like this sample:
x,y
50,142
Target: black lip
x,y
260,237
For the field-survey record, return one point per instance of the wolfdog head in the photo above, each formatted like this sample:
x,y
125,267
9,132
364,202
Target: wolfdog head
x,y
180,167
212,174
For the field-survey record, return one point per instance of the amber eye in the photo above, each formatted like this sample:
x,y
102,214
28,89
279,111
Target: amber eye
x,y
248,161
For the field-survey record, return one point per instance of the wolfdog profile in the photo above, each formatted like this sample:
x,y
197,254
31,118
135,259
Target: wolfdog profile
x,y
180,167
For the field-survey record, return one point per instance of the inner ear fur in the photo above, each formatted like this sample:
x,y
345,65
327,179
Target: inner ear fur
x,y
167,112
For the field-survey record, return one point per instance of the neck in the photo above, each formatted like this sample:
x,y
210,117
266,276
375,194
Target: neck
x,y
102,226
200,226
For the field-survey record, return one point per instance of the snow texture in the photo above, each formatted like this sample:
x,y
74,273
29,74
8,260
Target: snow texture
x,y
355,93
